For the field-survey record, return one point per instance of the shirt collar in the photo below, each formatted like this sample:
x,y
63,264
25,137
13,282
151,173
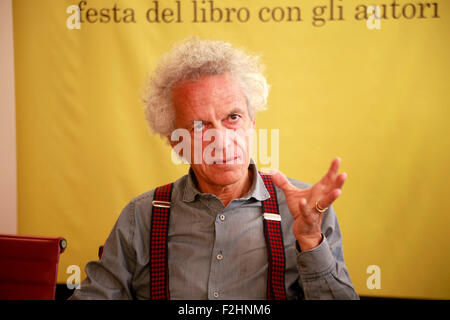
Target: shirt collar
x,y
257,190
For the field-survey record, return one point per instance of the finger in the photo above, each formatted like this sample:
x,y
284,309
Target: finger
x,y
333,170
340,179
281,181
303,205
326,201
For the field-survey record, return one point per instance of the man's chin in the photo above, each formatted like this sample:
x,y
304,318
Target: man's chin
x,y
225,179
224,173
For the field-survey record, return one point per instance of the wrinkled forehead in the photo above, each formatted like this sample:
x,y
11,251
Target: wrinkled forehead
x,y
208,95
219,85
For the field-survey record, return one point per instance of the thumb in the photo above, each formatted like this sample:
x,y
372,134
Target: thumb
x,y
281,181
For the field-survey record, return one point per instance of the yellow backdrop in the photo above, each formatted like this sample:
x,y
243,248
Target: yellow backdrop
x,y
378,98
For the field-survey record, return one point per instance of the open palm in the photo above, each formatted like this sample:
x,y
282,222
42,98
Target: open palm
x,y
302,203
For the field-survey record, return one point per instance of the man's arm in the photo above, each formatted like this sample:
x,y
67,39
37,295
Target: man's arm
x,y
322,271
111,276
323,274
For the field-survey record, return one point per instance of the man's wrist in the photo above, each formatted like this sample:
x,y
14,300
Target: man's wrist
x,y
309,242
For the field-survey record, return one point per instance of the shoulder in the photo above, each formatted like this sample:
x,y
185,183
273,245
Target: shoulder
x,y
299,184
280,194
144,200
136,215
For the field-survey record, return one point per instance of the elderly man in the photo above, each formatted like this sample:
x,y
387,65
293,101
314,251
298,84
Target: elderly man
x,y
224,230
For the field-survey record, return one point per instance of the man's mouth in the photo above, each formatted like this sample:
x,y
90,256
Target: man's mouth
x,y
229,160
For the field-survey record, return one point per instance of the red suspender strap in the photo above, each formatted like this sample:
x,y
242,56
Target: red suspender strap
x,y
159,270
274,239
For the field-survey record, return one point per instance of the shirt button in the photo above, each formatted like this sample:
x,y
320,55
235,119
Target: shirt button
x,y
219,257
222,217
216,294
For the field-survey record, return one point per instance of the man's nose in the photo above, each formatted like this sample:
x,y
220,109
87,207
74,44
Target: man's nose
x,y
223,138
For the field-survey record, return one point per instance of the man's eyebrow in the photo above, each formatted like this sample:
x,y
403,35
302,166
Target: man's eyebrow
x,y
192,122
236,110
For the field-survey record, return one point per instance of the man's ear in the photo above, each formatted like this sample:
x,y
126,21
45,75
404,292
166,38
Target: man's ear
x,y
172,143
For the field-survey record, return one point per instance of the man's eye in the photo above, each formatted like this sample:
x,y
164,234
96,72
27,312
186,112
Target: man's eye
x,y
234,117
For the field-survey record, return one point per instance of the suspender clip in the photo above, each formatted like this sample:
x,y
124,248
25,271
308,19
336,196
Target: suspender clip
x,y
161,204
272,216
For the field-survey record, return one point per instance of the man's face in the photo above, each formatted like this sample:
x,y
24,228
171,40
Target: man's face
x,y
211,108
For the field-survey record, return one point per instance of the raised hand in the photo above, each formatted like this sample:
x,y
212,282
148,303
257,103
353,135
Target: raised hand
x,y
308,206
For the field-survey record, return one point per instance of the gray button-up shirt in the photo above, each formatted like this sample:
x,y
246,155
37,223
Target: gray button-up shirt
x,y
216,252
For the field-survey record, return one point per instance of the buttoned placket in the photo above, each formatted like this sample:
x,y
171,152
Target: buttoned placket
x,y
219,255
218,260
216,208
220,219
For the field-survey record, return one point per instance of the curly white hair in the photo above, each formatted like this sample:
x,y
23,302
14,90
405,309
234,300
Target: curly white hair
x,y
192,59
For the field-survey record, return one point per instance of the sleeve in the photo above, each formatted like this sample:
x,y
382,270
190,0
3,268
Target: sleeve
x,y
322,271
110,277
